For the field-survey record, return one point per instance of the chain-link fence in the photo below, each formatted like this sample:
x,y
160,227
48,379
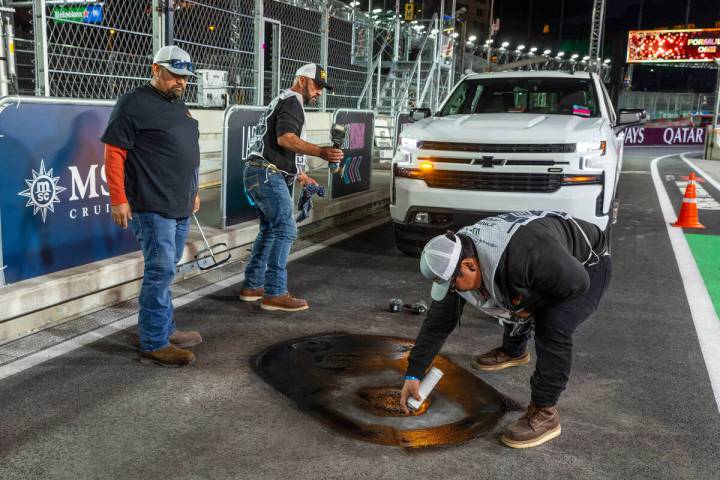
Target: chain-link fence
x,y
103,59
347,79
301,38
218,35
104,49
668,105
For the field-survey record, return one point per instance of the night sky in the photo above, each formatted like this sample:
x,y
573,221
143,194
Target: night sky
x,y
621,16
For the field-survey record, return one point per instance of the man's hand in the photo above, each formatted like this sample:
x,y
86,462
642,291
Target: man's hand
x,y
524,314
331,155
411,388
305,180
196,206
121,214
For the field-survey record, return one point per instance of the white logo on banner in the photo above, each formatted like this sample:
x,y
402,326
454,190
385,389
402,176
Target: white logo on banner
x,y
42,191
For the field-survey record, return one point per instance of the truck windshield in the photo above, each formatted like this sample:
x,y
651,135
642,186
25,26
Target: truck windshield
x,y
555,96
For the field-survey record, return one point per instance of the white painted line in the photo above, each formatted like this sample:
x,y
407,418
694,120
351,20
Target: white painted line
x,y
55,351
707,177
707,324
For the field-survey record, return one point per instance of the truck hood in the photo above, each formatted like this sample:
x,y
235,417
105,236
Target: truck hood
x,y
512,128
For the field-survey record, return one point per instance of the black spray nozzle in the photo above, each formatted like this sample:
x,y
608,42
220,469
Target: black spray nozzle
x,y
337,135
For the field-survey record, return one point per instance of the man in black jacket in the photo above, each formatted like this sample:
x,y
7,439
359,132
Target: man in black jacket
x,y
525,268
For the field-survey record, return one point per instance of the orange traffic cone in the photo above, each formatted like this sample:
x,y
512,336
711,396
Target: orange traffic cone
x,y
688,217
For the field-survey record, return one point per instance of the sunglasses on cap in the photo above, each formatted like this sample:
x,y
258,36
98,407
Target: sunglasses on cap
x,y
180,65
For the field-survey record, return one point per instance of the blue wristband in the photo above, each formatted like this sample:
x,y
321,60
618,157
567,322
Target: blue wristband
x,y
410,377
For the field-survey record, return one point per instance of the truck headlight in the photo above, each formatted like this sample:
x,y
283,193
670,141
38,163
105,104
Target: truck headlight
x,y
587,147
408,142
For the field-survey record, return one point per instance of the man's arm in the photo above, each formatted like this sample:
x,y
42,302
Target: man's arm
x,y
439,323
290,141
115,172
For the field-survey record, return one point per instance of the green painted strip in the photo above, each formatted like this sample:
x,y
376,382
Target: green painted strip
x,y
706,250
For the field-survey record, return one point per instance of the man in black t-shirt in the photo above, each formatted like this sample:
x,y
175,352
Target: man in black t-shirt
x,y
276,157
152,157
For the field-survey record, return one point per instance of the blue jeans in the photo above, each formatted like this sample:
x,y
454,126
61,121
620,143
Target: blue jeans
x,y
162,240
267,266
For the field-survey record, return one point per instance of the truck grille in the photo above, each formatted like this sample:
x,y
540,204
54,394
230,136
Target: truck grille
x,y
494,182
498,147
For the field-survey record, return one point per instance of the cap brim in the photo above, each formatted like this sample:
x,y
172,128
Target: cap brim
x,y
179,71
325,85
439,290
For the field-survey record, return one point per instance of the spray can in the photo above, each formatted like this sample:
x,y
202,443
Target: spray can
x,y
426,386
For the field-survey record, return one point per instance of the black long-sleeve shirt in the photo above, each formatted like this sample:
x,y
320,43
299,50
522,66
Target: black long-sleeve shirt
x,y
541,266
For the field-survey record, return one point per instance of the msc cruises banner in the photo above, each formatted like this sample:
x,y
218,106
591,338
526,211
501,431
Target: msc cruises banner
x,y
358,147
54,201
641,136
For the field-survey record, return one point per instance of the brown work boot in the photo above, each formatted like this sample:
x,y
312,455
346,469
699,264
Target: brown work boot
x,y
537,426
285,302
170,356
185,339
180,339
496,359
251,294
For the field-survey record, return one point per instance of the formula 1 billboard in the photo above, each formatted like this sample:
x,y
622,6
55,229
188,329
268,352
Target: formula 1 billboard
x,y
673,46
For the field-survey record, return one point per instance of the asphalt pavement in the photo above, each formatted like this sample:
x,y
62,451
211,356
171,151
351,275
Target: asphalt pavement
x,y
638,405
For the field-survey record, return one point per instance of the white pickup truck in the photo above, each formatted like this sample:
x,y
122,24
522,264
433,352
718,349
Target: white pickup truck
x,y
505,142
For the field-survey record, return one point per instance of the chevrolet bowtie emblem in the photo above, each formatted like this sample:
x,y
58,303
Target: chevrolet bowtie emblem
x,y
486,162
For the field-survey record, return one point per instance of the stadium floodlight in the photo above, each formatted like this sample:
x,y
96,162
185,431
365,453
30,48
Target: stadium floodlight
x,y
505,44
472,38
377,10
547,52
574,56
489,41
561,54
607,60
533,50
520,48
354,4
586,58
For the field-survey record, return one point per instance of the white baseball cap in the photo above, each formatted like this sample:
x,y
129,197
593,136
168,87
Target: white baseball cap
x,y
176,60
316,72
438,263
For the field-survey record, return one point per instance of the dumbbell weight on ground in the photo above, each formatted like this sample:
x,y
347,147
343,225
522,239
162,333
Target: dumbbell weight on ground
x,y
397,304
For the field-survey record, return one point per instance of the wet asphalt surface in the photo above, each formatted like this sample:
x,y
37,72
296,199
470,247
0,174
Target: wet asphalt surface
x,y
639,403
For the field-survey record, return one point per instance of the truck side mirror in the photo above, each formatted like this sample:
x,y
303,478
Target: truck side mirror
x,y
418,114
631,117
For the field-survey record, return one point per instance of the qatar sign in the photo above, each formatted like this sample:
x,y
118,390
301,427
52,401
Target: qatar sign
x,y
641,136
673,46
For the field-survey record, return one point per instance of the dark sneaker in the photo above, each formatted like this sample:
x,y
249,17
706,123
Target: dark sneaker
x,y
537,426
179,339
496,359
285,303
251,294
185,339
170,356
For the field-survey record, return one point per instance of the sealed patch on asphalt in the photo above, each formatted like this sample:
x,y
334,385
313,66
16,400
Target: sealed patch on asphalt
x,y
351,383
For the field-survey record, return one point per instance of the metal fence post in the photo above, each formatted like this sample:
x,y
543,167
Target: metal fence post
x,y
169,13
324,45
259,53
42,78
158,27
